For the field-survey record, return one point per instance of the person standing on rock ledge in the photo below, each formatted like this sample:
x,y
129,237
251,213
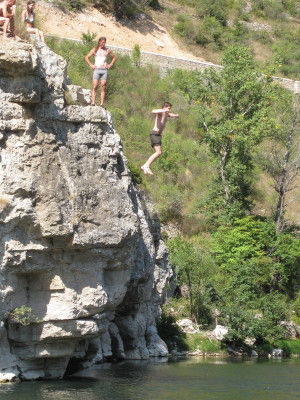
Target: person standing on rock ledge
x,y
101,67
161,118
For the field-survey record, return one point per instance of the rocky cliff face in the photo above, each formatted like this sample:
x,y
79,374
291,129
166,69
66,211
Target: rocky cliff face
x,y
79,245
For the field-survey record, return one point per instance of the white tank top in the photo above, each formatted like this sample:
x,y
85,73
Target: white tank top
x,y
100,58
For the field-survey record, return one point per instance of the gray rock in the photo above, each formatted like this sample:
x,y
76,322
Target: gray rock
x,y
292,329
79,95
254,354
220,332
80,246
188,326
277,353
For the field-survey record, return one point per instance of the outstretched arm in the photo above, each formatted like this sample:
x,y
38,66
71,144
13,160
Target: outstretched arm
x,y
87,58
172,115
159,111
113,59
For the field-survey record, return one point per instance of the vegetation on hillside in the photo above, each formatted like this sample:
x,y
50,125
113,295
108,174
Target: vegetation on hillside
x,y
270,27
239,267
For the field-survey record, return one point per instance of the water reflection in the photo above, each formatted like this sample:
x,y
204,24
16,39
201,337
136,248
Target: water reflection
x,y
195,379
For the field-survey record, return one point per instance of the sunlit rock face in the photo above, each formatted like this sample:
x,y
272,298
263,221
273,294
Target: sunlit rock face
x,y
80,247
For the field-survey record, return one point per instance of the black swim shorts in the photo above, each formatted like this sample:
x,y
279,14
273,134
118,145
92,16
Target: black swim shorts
x,y
155,138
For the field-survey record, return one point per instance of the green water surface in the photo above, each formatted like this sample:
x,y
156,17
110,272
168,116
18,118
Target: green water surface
x,y
185,380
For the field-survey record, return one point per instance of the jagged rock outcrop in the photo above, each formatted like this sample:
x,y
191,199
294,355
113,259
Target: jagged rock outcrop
x,y
80,246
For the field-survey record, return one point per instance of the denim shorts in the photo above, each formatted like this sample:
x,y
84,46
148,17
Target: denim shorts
x,y
100,74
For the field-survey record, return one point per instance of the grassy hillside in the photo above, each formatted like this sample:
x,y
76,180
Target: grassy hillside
x,y
241,267
185,170
270,27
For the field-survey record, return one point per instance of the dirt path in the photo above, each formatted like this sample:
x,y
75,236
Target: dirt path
x,y
144,31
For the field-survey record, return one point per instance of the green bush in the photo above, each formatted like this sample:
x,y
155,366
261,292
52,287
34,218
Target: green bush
x,y
185,27
210,31
218,9
268,8
22,316
72,5
262,36
293,7
136,174
262,323
290,346
125,8
154,4
198,341
171,333
136,55
89,38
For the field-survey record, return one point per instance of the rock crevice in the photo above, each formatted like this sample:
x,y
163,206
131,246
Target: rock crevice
x,y
80,245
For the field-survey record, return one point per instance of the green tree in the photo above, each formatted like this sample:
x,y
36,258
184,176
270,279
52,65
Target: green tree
x,y
192,268
234,112
253,261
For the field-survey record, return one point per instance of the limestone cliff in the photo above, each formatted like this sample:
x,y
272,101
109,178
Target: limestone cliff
x,y
79,245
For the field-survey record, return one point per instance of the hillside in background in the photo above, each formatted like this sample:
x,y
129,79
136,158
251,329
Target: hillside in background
x,y
229,255
189,28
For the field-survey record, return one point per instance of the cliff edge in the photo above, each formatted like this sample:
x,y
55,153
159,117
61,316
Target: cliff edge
x,y
80,246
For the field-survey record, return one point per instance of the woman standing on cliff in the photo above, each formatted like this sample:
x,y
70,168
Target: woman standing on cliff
x,y
28,17
100,52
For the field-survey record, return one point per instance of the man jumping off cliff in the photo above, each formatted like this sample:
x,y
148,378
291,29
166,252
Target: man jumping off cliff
x,y
101,67
161,117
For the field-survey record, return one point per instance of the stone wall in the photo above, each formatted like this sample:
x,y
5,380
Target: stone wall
x,y
80,246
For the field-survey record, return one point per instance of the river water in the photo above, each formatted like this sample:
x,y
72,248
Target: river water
x,y
201,379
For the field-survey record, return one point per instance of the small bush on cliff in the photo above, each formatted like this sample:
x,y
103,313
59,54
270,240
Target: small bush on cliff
x,y
21,315
136,55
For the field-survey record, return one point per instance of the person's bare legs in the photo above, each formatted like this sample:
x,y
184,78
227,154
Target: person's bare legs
x,y
34,31
103,86
5,23
42,36
94,90
146,167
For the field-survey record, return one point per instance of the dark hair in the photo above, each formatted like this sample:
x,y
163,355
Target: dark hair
x,y
166,104
98,44
29,4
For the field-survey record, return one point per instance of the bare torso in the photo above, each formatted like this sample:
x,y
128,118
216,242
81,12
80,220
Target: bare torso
x,y
3,6
160,122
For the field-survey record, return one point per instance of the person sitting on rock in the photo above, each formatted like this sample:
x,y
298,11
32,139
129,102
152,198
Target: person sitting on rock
x,y
7,8
100,52
28,17
161,117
